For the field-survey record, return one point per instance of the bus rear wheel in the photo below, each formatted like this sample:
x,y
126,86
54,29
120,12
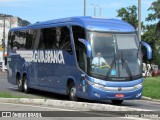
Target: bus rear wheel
x,y
25,84
20,85
72,92
117,102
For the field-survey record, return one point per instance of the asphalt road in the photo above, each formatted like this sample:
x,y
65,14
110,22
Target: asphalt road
x,y
12,89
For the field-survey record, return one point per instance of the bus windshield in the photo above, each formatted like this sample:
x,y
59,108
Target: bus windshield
x,y
115,56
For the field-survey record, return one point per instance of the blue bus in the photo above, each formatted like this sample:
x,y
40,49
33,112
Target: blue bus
x,y
58,56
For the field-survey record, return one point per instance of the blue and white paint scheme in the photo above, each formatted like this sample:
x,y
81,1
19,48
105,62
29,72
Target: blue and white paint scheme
x,y
57,56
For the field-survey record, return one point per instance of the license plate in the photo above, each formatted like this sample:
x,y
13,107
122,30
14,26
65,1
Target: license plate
x,y
119,95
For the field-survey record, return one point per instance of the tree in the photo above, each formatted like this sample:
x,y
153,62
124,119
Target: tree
x,y
129,15
151,39
155,33
149,33
155,15
156,11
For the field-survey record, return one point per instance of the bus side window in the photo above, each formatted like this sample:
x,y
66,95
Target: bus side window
x,y
65,41
18,42
21,40
11,38
47,38
29,39
79,32
41,40
55,38
36,36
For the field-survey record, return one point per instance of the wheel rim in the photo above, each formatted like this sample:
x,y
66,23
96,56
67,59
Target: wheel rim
x,y
19,83
25,85
73,93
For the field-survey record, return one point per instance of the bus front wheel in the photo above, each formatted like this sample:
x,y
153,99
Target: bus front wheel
x,y
72,92
25,84
117,102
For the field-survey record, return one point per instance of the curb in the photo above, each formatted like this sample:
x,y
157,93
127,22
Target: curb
x,y
150,99
83,106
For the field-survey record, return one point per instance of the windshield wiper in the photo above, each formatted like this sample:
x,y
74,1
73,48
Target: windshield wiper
x,y
126,66
112,64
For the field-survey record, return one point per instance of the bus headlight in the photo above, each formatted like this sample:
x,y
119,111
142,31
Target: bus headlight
x,y
95,84
138,86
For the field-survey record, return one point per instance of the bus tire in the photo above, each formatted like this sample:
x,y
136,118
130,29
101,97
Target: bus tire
x,y
20,85
72,92
117,102
25,84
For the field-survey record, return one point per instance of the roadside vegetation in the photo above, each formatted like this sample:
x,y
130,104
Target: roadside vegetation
x,y
9,95
151,87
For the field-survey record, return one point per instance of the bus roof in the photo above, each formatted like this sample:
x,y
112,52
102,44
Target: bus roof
x,y
90,23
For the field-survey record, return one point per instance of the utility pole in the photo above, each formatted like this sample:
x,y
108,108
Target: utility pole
x,y
139,20
4,23
10,22
100,11
3,42
84,7
94,9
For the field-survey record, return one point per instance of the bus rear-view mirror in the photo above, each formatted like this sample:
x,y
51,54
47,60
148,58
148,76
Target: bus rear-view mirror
x,y
88,47
148,48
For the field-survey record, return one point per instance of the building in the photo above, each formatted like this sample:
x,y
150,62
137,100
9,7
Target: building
x,y
5,24
10,22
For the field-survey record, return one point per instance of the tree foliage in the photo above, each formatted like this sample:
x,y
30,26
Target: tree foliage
x,y
154,33
129,15
155,8
150,37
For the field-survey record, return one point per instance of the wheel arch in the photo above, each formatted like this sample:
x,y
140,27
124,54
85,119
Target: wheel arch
x,y
18,77
69,81
25,75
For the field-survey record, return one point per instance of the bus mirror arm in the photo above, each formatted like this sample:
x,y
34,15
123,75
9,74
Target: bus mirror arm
x,y
88,47
149,49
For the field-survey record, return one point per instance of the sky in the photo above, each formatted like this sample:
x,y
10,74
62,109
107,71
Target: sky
x,y
42,10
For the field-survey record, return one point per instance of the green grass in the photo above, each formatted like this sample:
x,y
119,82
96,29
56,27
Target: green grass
x,y
151,87
9,95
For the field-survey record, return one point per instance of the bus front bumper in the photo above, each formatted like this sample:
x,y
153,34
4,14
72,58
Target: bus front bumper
x,y
96,94
114,93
